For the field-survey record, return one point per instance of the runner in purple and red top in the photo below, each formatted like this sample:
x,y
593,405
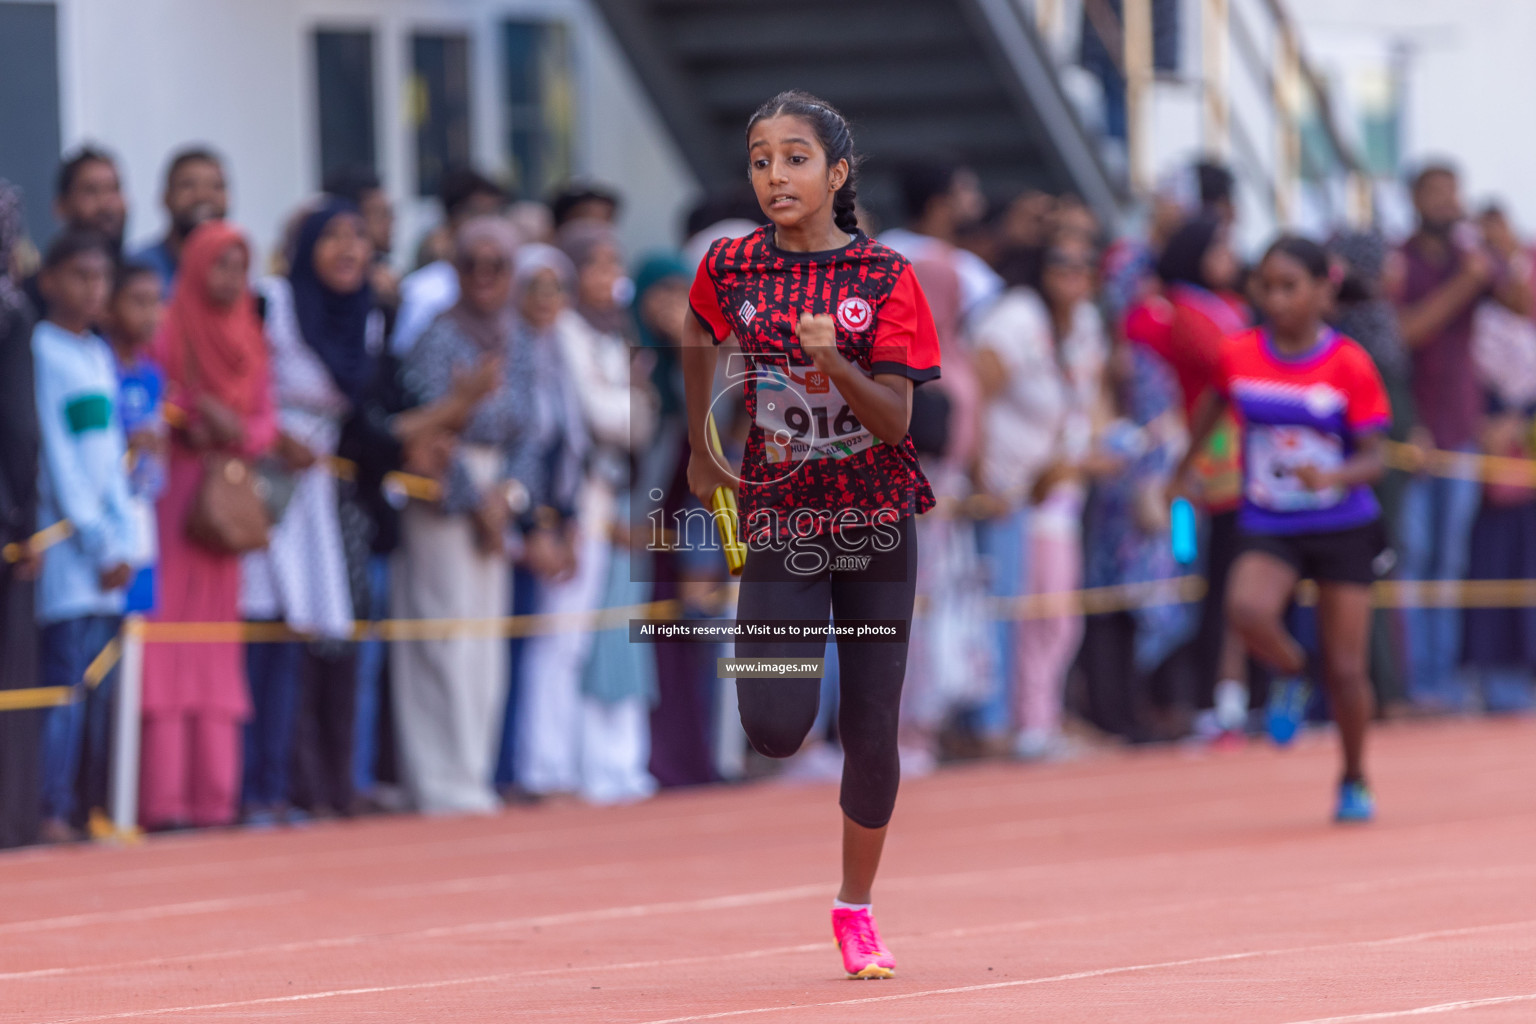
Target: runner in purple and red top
x,y
1307,409
1313,412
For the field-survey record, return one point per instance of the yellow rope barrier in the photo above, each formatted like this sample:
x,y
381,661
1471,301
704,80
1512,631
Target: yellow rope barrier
x,y
422,488
1098,600
419,487
1498,469
1179,590
39,542
1488,469
506,627
1516,593
103,663
36,697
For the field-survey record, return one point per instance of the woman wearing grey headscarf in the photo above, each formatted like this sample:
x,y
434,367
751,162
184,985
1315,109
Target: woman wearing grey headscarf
x,y
583,721
20,731
599,287
504,496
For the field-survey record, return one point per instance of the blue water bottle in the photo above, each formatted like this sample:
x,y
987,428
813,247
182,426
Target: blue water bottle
x,y
1181,522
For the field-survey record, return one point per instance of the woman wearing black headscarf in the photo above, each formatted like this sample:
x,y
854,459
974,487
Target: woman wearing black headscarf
x,y
326,318
20,731
325,334
318,323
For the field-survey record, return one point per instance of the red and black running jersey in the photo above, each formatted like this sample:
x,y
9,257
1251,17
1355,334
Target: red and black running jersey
x,y
751,288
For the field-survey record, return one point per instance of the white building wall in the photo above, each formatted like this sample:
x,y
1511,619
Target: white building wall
x,y
1469,75
147,77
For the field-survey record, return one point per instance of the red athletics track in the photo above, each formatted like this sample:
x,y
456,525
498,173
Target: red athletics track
x,y
1162,886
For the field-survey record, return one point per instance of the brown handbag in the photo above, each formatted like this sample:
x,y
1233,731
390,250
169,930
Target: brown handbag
x,y
228,514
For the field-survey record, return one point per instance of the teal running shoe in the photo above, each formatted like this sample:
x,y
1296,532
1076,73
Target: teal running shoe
x,y
1288,699
1356,805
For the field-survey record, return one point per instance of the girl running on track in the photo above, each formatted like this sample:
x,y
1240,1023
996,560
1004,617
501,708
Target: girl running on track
x,y
835,333
1313,410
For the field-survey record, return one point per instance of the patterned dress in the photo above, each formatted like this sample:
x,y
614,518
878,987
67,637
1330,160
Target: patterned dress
x,y
450,694
301,578
1121,550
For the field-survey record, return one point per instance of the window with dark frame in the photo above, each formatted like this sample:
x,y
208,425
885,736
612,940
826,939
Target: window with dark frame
x,y
539,93
345,93
439,106
29,108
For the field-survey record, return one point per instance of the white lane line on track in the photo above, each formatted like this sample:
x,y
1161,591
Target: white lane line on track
x,y
537,835
1256,954
495,883
549,920
728,902
522,841
920,882
1075,976
541,835
407,890
159,910
499,843
1423,1011
523,833
752,954
1408,834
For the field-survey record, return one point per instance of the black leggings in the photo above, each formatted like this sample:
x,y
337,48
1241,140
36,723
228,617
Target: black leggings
x,y
777,713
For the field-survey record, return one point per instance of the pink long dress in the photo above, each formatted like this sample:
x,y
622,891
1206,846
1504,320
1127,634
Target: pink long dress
x,y
195,694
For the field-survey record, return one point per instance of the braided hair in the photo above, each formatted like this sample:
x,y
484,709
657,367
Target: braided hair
x,y
836,140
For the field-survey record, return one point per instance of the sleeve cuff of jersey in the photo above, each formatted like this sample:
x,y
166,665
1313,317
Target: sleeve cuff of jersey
x,y
916,374
1374,425
704,323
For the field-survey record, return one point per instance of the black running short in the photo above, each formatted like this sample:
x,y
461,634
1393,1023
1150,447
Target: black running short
x,y
1339,556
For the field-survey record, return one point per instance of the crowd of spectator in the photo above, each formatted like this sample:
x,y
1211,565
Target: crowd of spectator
x,y
500,431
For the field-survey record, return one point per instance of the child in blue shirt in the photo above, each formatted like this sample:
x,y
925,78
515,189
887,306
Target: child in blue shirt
x,y
83,479
133,314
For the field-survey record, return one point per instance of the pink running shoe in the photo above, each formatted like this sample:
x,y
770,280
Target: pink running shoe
x,y
864,955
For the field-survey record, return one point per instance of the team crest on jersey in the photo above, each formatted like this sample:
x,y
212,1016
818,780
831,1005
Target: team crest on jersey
x,y
855,314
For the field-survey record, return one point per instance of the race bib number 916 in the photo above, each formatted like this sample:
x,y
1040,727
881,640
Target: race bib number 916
x,y
804,416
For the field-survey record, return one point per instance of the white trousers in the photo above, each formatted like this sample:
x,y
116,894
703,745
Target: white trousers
x,y
568,742
450,695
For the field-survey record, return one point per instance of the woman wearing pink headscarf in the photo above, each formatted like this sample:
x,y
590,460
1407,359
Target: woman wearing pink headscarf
x,y
214,355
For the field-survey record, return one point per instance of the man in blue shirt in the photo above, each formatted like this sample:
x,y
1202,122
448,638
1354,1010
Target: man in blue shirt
x,y
195,191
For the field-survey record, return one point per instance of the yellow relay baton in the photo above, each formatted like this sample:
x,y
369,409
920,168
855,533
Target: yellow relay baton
x,y
723,505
